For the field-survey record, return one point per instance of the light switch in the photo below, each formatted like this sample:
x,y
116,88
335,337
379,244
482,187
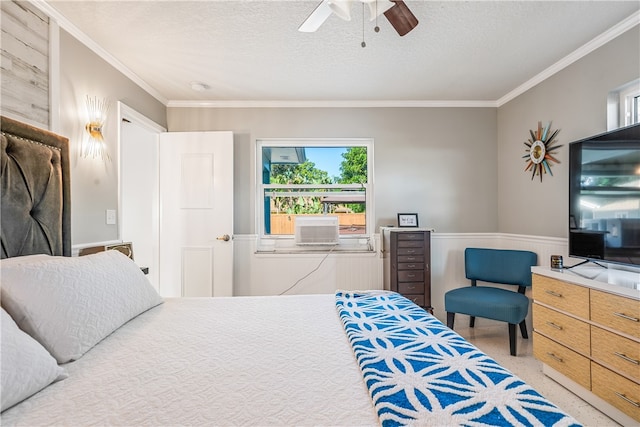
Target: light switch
x,y
111,216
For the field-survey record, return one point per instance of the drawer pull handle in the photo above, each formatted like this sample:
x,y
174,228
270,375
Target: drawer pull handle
x,y
624,316
555,294
553,325
411,287
410,251
553,356
623,397
627,358
411,265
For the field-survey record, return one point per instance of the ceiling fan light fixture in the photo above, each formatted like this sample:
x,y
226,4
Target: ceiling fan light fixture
x,y
341,8
401,18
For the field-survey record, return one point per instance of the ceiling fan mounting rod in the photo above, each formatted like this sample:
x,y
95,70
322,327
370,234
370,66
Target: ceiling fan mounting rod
x,y
396,12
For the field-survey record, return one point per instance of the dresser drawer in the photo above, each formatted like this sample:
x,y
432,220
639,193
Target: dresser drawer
x,y
406,288
410,258
410,251
417,299
411,266
411,236
616,312
411,276
616,352
617,390
410,244
562,328
563,360
567,297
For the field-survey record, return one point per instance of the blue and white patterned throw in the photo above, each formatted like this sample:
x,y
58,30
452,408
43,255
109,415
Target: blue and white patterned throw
x,y
419,372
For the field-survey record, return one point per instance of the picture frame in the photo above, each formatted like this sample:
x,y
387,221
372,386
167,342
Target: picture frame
x,y
408,220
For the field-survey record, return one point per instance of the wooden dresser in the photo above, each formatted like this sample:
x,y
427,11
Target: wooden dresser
x,y
587,333
411,265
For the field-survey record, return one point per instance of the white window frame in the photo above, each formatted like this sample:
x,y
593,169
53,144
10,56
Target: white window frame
x,y
620,106
285,243
627,96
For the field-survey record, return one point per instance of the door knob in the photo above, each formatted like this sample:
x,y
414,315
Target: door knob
x,y
224,237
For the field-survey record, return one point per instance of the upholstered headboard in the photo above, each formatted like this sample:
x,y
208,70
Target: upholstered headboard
x,y
35,188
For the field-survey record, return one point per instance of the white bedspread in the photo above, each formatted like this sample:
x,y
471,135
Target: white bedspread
x,y
213,361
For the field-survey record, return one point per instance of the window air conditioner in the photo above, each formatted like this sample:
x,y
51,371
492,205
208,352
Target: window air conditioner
x,y
317,230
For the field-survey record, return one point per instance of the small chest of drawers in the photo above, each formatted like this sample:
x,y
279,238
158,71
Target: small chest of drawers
x,y
410,265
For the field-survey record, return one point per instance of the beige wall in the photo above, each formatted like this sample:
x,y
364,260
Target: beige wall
x,y
94,184
575,100
438,162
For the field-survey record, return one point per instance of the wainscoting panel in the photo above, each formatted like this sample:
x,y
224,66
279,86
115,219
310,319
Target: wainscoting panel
x,y
447,260
275,274
301,273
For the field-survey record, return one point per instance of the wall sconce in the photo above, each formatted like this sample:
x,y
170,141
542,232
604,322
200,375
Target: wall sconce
x,y
93,144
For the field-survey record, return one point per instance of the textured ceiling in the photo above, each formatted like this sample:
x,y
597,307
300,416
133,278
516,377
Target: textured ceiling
x,y
252,51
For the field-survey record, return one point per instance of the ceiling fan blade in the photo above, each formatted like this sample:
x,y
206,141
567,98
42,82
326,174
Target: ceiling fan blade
x,y
342,8
401,18
317,18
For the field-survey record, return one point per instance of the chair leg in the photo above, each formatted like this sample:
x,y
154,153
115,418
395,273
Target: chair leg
x,y
523,330
472,321
512,338
450,318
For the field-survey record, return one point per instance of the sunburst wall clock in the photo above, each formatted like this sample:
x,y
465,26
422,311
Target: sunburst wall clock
x,y
540,150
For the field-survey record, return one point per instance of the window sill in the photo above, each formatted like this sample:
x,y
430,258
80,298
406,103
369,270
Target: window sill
x,y
287,247
293,251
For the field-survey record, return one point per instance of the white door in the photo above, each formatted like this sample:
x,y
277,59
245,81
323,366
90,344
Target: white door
x,y
196,214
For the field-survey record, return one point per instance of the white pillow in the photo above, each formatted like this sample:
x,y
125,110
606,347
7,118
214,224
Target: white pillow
x,y
69,304
25,259
27,367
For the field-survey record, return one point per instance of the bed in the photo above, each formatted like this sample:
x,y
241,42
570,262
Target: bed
x,y
88,341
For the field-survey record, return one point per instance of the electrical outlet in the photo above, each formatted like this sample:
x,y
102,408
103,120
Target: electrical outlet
x,y
111,216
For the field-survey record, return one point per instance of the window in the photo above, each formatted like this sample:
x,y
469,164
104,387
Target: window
x,y
630,105
623,106
300,177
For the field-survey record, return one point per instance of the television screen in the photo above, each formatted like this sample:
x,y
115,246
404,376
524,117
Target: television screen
x,y
604,197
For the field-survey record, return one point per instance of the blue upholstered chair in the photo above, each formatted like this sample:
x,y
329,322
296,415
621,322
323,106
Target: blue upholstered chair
x,y
505,266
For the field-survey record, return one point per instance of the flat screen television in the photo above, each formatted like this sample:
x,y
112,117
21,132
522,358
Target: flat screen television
x,y
604,197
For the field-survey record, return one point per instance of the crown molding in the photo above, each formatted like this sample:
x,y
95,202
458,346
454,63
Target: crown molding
x,y
332,104
582,51
66,25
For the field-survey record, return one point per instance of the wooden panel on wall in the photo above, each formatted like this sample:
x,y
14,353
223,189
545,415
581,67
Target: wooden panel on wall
x,y
25,63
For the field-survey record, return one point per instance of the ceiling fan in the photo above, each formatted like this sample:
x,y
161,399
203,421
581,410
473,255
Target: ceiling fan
x,y
396,12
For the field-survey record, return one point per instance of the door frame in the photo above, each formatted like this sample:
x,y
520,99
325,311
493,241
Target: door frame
x,y
138,119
